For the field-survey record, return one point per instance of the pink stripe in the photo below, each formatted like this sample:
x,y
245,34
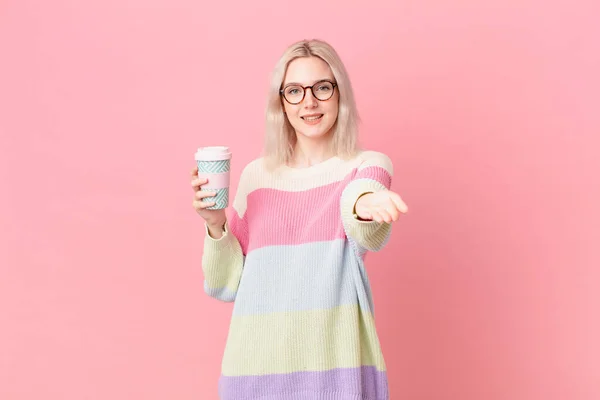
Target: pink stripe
x,y
239,229
379,174
308,216
215,181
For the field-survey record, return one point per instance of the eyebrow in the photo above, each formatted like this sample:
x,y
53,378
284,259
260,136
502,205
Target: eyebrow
x,y
318,80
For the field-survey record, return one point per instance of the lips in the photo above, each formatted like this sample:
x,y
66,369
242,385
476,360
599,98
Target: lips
x,y
312,117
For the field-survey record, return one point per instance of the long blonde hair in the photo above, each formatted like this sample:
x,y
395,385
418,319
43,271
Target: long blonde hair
x,y
280,137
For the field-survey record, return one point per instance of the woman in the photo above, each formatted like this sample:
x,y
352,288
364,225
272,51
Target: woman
x,y
291,252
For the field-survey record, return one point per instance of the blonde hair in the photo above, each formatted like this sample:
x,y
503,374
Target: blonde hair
x,y
280,137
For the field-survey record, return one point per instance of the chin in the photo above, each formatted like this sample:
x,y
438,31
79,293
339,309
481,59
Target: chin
x,y
314,133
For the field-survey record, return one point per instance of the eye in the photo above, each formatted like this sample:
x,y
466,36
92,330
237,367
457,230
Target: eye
x,y
293,91
324,88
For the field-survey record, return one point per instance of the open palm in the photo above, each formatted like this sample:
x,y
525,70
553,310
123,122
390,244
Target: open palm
x,y
382,206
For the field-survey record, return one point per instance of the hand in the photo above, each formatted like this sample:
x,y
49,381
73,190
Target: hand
x,y
382,206
213,218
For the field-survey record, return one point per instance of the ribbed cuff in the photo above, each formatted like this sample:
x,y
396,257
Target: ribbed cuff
x,y
221,262
212,244
368,234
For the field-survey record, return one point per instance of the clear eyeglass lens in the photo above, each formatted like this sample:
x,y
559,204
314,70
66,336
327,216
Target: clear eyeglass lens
x,y
321,90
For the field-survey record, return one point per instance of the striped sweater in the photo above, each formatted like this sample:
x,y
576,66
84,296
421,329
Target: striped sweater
x,y
292,259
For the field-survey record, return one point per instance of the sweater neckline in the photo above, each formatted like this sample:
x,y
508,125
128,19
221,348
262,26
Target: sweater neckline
x,y
323,166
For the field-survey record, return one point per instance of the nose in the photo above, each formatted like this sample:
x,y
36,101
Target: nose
x,y
309,99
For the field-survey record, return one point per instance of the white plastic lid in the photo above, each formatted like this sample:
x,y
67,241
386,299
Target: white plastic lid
x,y
213,153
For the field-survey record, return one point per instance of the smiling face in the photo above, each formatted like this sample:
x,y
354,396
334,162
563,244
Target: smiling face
x,y
311,118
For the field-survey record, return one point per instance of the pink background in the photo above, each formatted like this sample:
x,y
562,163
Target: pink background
x,y
489,288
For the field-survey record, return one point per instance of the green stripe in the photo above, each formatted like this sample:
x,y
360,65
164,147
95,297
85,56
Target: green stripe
x,y
340,337
213,167
221,199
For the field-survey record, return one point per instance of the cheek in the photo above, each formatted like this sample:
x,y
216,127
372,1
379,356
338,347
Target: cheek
x,y
333,110
290,110
333,105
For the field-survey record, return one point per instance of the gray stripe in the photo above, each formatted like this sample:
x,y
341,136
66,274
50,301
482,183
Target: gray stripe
x,y
309,276
222,294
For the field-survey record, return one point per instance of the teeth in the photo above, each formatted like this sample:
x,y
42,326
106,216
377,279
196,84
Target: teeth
x,y
312,118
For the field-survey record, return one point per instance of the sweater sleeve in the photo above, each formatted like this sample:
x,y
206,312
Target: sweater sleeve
x,y
373,174
223,258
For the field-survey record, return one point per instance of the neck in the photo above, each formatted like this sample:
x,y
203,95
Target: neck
x,y
309,152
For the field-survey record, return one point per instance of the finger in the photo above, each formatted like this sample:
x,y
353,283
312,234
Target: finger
x,y
385,216
197,183
200,205
393,212
194,171
365,216
401,205
202,194
377,217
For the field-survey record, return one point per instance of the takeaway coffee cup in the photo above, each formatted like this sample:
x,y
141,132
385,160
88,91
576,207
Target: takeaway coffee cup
x,y
214,164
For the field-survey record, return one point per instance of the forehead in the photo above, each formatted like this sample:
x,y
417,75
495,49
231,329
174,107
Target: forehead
x,y
307,70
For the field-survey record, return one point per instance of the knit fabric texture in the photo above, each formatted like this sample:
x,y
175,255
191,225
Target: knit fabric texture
x,y
292,260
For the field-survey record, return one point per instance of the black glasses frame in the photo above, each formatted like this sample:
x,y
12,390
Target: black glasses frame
x,y
281,91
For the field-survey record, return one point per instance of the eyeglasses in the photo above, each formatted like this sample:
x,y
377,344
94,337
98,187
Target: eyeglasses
x,y
322,90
